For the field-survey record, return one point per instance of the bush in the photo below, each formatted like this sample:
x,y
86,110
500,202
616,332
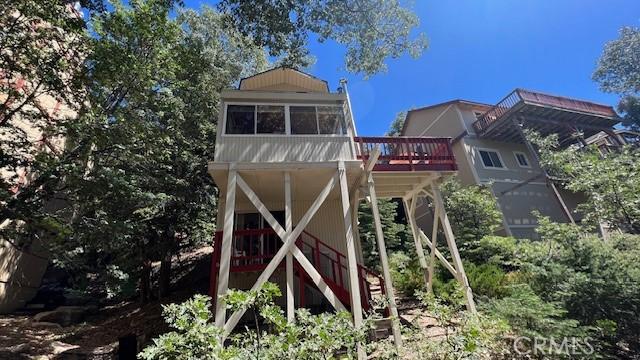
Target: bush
x,y
487,280
310,337
531,316
406,273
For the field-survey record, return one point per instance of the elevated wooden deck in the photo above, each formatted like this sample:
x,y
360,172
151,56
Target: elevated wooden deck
x,y
546,114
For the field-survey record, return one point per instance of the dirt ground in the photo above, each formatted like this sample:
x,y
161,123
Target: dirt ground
x,y
97,337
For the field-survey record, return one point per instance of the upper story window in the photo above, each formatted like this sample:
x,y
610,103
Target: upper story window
x,y
521,159
491,159
285,119
271,119
241,119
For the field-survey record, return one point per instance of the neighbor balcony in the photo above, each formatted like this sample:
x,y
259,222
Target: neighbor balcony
x,y
546,114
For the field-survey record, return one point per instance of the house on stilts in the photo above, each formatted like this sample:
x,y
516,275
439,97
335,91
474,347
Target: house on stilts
x,y
291,172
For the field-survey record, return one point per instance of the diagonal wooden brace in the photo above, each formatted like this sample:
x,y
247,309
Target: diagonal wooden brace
x,y
288,246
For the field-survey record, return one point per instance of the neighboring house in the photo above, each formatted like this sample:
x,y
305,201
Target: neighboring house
x,y
22,267
490,148
290,167
607,143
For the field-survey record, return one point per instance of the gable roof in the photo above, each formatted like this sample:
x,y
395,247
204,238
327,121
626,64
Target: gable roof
x,y
480,106
284,76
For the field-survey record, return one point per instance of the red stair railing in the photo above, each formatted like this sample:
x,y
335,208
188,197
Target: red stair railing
x,y
253,250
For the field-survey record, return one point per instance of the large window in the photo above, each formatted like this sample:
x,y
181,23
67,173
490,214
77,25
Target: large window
x,y
491,159
273,119
303,120
270,119
331,120
241,119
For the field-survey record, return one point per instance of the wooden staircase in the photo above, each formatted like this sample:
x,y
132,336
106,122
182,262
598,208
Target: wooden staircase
x,y
254,248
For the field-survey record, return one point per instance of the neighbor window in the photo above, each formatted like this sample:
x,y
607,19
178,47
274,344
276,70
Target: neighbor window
x,y
522,159
491,159
270,120
303,120
241,119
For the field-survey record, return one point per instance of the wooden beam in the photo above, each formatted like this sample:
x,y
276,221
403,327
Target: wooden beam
x,y
354,283
432,253
417,188
227,240
384,261
288,221
373,159
453,249
289,245
409,210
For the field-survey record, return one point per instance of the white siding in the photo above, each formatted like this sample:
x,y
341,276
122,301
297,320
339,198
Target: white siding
x,y
255,148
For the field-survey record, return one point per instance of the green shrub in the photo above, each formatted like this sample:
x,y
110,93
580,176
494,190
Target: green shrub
x,y
531,316
310,337
194,336
406,273
487,280
473,213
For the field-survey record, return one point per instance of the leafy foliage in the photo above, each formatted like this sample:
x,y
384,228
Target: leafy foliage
x,y
41,48
395,129
459,335
611,183
310,337
393,231
473,212
194,335
142,192
371,30
618,72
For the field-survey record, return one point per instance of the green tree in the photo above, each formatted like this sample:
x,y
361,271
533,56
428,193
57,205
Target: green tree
x,y
395,129
618,71
41,48
372,30
610,183
143,193
393,231
473,212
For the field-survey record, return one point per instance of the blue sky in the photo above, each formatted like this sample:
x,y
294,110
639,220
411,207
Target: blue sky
x,y
482,49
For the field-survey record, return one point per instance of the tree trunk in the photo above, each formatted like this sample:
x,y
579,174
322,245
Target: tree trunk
x,y
164,285
145,282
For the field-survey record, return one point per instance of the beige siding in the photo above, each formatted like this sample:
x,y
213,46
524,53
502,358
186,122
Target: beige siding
x,y
20,275
439,121
249,148
518,204
512,171
285,79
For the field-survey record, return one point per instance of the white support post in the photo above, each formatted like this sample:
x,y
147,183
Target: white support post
x,y
453,248
432,254
384,261
227,239
288,220
356,306
409,210
288,246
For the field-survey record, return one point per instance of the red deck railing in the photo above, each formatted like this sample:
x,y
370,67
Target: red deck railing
x,y
253,249
408,153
